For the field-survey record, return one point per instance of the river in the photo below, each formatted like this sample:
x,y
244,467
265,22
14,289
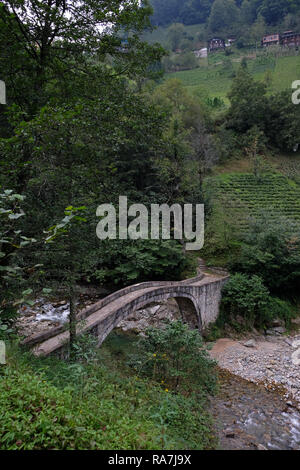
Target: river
x,y
247,416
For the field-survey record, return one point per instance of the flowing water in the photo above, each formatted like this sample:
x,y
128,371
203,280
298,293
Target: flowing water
x,y
248,416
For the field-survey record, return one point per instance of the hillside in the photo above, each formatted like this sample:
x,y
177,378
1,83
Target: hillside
x,y
215,79
242,18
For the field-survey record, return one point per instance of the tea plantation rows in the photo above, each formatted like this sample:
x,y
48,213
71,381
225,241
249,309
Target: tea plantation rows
x,y
247,196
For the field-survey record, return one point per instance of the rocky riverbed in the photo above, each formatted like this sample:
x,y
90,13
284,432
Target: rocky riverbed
x,y
46,314
153,315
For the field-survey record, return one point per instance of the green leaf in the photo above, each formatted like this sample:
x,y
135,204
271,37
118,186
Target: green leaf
x,y
46,291
27,292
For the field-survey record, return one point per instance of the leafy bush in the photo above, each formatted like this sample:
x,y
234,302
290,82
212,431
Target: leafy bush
x,y
175,357
12,276
281,309
188,417
246,301
244,297
37,415
140,260
271,249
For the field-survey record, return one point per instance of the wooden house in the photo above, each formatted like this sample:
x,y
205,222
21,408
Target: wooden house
x,y
271,40
215,44
290,39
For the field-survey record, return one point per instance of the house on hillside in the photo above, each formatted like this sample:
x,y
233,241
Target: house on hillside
x,y
216,44
271,40
287,39
290,39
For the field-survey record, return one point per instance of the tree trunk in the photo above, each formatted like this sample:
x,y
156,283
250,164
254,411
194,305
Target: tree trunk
x,y
72,321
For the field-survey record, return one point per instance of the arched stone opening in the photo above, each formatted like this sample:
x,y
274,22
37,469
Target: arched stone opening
x,y
189,313
188,309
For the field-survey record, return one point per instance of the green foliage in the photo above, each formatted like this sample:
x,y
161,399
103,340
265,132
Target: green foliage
x,y
248,103
283,120
281,309
12,276
251,199
44,71
211,78
275,116
36,415
228,16
221,229
271,249
175,357
185,11
224,17
246,301
127,262
112,144
181,413
176,34
192,149
51,404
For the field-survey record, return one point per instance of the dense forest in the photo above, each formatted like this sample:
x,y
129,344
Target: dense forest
x,y
232,15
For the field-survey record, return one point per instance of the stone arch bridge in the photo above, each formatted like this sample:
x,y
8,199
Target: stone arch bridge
x,y
198,300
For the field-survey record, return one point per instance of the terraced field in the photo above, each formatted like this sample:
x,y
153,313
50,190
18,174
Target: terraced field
x,y
248,197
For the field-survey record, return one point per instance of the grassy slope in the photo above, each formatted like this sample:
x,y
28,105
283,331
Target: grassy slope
x,y
234,176
212,78
52,404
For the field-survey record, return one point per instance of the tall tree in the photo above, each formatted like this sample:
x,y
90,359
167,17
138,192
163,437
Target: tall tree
x,y
224,16
248,102
176,35
53,41
247,12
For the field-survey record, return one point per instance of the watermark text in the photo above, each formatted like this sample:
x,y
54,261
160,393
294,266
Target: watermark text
x,y
164,222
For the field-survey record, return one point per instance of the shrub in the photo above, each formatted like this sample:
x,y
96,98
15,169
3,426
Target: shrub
x,y
12,276
281,309
245,297
138,261
272,251
188,417
175,357
246,300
